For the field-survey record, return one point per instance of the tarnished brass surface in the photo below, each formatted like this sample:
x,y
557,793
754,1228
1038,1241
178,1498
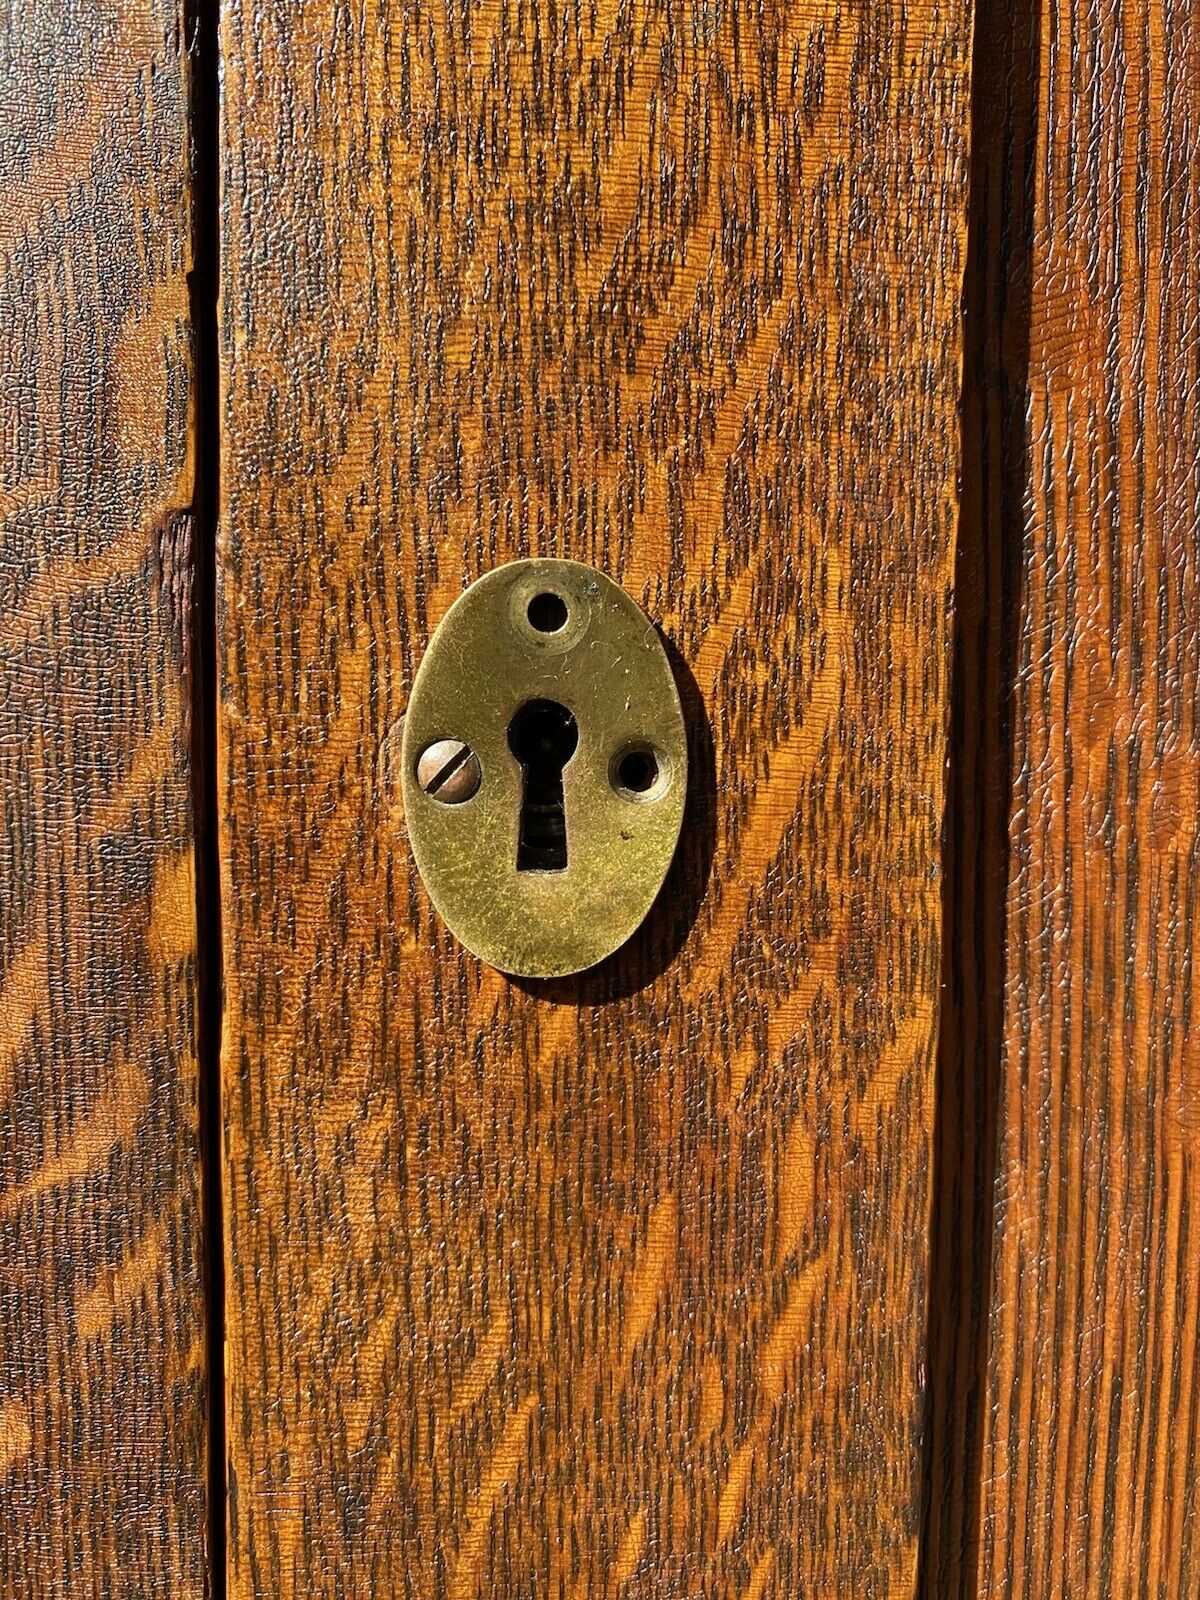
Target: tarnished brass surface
x,y
606,665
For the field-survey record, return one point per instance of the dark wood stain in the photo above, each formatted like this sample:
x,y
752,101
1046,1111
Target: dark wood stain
x,y
102,1338
615,1286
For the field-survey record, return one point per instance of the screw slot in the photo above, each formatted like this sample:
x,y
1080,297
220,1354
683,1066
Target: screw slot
x,y
547,612
636,773
448,770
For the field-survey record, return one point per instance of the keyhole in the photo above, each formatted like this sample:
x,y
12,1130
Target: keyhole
x,y
543,736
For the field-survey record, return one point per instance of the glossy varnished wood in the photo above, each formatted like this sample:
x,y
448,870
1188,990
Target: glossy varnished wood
x,y
1091,1396
617,1285
102,1351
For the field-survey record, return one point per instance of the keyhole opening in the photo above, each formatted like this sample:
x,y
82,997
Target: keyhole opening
x,y
543,736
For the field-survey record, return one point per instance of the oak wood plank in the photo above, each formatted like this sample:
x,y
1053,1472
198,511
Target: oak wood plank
x,y
615,1285
102,1354
1092,1388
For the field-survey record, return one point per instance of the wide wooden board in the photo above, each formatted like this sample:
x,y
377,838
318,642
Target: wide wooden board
x,y
102,1340
618,1285
1092,1389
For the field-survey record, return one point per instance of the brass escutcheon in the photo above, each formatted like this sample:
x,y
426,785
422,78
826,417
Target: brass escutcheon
x,y
544,767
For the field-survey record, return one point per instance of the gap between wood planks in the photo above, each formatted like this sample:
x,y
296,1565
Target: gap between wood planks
x,y
987,606
201,22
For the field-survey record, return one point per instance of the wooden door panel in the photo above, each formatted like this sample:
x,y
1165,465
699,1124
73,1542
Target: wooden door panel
x,y
1064,1455
616,1284
1089,1469
102,1330
625,1284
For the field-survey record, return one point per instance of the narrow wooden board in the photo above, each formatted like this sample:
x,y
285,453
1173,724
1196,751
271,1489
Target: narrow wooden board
x,y
616,1285
1090,1483
102,1339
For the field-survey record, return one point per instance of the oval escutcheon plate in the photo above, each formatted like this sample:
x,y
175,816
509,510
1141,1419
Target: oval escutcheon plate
x,y
544,767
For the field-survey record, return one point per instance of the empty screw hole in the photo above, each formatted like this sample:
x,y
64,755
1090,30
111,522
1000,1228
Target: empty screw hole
x,y
547,612
637,772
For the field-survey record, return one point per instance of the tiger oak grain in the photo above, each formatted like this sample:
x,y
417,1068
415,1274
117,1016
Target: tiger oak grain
x,y
102,1339
614,1285
1092,1385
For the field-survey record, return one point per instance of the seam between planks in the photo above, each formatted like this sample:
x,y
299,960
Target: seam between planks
x,y
203,21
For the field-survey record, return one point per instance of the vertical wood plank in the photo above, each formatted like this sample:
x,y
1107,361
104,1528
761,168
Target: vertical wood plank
x,y
613,1286
102,1357
1090,1481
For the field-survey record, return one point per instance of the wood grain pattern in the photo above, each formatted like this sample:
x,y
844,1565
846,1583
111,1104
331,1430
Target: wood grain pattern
x,y
617,1285
1090,1480
101,1314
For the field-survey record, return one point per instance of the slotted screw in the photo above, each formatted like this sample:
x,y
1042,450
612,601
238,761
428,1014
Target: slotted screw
x,y
448,770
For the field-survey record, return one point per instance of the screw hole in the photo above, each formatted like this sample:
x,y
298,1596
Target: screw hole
x,y
637,773
547,612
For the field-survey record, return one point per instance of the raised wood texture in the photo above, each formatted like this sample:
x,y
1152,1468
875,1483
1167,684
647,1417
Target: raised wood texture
x,y
618,1285
1091,1472
102,1348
